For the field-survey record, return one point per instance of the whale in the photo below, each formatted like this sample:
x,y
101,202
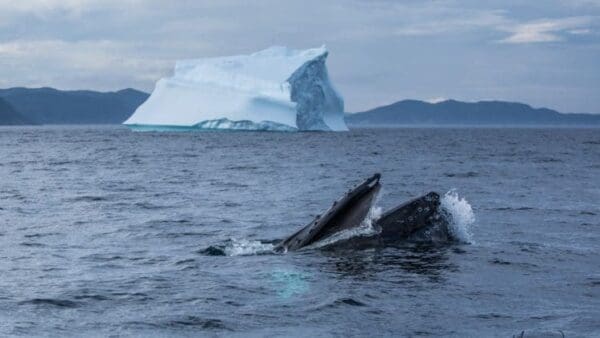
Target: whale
x,y
351,210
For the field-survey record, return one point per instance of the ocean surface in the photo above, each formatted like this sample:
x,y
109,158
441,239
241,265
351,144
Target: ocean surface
x,y
108,232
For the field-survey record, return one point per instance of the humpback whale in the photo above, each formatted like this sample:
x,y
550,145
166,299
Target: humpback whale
x,y
351,210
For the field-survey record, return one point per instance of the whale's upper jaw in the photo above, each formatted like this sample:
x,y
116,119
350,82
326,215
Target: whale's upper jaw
x,y
345,213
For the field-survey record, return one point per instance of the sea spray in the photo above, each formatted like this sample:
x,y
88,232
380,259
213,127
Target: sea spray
x,y
374,214
460,216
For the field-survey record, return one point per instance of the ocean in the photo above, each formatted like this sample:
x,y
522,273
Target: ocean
x,y
108,232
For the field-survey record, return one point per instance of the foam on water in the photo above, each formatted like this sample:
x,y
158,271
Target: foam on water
x,y
244,247
460,216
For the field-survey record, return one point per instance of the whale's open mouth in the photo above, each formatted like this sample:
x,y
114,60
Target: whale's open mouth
x,y
353,221
345,213
350,211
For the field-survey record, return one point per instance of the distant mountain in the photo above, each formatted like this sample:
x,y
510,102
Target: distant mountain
x,y
9,116
52,106
456,112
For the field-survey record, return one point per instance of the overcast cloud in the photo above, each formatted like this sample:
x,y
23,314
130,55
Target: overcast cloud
x,y
546,53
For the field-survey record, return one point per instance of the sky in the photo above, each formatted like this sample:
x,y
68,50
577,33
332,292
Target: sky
x,y
545,53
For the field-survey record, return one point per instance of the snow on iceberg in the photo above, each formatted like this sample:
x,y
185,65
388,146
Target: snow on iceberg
x,y
274,89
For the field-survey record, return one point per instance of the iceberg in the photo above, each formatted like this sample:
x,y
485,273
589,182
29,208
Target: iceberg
x,y
276,89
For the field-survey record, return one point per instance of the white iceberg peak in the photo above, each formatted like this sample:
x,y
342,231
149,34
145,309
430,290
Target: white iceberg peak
x,y
273,89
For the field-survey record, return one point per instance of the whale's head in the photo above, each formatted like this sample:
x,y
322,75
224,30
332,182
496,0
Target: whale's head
x,y
409,217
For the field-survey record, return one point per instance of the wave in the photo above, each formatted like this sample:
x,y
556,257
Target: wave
x,y
183,322
51,302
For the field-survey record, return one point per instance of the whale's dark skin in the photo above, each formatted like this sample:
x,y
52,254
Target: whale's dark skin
x,y
350,211
409,217
345,213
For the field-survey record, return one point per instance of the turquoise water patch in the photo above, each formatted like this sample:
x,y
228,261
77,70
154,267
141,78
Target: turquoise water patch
x,y
289,283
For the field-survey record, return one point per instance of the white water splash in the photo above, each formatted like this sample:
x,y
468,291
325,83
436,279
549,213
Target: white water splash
x,y
373,215
461,217
244,247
